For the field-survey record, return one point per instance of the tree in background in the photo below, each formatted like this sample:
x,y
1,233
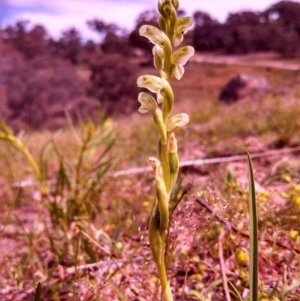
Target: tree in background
x,y
37,93
112,83
68,46
285,16
113,38
30,43
275,29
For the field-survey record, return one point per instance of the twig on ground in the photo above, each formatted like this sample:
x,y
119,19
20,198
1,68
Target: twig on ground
x,y
222,265
198,162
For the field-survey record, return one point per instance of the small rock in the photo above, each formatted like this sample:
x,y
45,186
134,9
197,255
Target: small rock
x,y
242,86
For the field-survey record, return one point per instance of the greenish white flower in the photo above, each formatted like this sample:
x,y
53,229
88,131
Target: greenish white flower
x,y
180,58
153,34
150,82
177,121
148,103
182,26
157,85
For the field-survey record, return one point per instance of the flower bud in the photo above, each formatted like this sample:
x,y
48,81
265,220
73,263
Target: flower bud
x,y
175,4
167,8
160,4
162,23
173,144
172,20
156,167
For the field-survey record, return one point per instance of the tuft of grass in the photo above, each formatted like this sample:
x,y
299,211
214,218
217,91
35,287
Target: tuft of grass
x,y
72,198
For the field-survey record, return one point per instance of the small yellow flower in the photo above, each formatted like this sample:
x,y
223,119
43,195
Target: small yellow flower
x,y
197,277
128,222
293,234
195,258
241,257
146,204
201,267
297,200
263,196
119,245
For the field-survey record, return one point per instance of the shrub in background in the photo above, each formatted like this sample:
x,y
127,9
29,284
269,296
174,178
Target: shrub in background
x,y
38,92
112,83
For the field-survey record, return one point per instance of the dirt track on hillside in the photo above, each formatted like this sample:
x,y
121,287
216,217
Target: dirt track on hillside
x,y
270,60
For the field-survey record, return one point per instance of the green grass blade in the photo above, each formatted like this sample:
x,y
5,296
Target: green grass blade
x,y
253,269
198,296
235,291
38,292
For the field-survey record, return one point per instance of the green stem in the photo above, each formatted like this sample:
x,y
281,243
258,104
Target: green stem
x,y
166,293
165,164
168,62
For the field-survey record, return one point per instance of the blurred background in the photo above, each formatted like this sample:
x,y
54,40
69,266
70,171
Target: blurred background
x,y
76,56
